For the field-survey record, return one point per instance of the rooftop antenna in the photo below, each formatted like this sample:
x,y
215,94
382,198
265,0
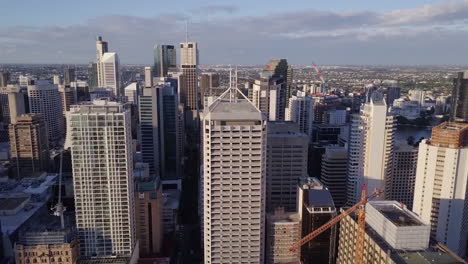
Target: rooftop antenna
x,y
186,31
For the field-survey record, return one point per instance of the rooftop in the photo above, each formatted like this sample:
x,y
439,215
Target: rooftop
x,y
424,257
10,203
320,198
226,108
396,213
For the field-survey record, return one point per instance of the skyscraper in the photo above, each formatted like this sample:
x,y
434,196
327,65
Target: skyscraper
x,y
4,78
107,68
333,173
159,129
234,148
29,145
102,158
370,147
441,185
189,65
209,82
280,68
110,79
68,76
301,111
44,98
286,164
459,112
164,60
268,96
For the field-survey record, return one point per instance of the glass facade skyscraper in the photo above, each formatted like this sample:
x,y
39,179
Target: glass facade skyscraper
x,y
164,60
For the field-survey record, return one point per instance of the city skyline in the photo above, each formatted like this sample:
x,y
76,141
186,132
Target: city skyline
x,y
413,33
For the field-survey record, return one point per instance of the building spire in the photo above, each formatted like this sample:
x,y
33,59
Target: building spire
x,y
186,31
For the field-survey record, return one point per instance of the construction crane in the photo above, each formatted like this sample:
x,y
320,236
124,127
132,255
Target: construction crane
x,y
361,225
322,79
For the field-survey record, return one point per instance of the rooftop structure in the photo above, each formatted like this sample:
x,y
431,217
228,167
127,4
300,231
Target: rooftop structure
x,y
450,135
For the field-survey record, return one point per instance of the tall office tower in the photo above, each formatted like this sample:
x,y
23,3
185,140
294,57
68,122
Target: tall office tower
x,y
234,150
400,186
268,96
286,163
393,93
148,216
4,78
209,86
29,145
164,60
93,76
333,173
159,129
68,76
301,111
370,147
459,112
110,78
189,66
282,230
441,185
279,68
169,130
315,207
44,98
68,96
103,178
289,82
393,235
101,47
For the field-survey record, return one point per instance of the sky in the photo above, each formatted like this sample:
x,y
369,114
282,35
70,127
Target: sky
x,y
242,32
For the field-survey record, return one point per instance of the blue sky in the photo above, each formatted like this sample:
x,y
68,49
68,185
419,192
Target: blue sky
x,y
239,32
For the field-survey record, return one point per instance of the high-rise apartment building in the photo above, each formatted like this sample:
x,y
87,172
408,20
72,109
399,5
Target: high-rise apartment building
x,y
301,111
370,147
164,60
441,185
286,163
102,159
68,95
334,173
29,145
234,153
282,230
189,66
400,187
315,208
268,96
459,111
44,98
148,216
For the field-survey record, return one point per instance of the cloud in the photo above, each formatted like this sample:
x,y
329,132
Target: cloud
x,y
215,9
429,34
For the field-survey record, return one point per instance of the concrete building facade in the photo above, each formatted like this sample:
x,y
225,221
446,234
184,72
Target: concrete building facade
x,y
102,161
234,187
282,230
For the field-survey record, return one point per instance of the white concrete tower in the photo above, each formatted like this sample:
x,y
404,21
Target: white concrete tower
x,y
441,188
301,111
102,158
234,158
370,147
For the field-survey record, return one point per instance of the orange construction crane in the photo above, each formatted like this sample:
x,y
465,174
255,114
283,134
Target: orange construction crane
x,y
361,223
